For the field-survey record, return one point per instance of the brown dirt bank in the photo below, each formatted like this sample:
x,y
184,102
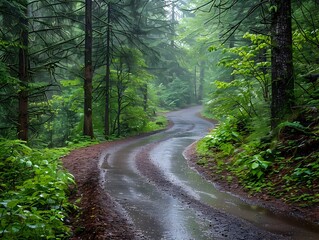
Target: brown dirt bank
x,y
99,216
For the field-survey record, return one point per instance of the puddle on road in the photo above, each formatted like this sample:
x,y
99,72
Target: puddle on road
x,y
161,216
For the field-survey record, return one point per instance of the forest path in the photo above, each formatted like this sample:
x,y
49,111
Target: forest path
x,y
165,199
143,188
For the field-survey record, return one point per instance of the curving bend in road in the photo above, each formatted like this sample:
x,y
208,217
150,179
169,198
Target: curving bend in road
x,y
164,199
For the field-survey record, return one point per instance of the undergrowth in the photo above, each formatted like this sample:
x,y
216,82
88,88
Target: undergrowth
x,y
33,192
284,165
34,188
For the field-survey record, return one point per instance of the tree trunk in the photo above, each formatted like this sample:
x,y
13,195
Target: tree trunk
x,y
262,57
119,109
282,62
145,96
195,83
108,73
201,81
23,77
88,125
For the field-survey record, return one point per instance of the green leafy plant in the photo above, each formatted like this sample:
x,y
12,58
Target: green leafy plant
x,y
34,192
252,163
222,136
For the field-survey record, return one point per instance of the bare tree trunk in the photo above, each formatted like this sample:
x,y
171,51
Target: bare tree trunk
x,y
108,77
23,77
119,109
201,81
88,125
282,62
195,82
145,96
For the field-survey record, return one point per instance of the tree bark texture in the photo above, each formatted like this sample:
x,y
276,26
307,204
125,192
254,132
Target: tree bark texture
x,y
108,74
88,124
23,117
282,62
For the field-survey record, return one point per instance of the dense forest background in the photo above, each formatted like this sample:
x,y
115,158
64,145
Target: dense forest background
x,y
72,71
107,66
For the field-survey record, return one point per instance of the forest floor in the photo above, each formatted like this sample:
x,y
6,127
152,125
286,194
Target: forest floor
x,y
99,217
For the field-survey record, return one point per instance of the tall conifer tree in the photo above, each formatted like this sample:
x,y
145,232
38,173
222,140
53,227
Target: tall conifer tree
x,y
88,125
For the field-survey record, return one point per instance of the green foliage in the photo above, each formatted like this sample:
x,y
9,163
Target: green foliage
x,y
9,87
33,192
282,162
79,141
224,137
175,95
293,126
252,163
285,165
134,119
248,90
58,119
158,123
221,142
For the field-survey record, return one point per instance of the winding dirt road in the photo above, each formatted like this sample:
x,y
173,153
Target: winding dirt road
x,y
149,182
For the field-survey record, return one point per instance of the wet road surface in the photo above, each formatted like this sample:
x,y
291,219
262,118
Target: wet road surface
x,y
165,199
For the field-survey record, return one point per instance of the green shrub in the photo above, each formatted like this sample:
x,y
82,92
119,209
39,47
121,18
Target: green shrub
x,y
252,163
224,136
33,193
